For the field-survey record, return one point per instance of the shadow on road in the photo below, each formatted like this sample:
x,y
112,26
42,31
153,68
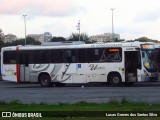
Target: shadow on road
x,y
7,84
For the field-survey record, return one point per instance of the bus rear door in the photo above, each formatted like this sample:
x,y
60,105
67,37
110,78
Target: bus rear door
x,y
24,67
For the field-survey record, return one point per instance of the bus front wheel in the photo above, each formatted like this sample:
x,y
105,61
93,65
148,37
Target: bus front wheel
x,y
115,80
45,80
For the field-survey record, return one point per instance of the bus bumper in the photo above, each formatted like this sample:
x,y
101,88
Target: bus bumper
x,y
151,78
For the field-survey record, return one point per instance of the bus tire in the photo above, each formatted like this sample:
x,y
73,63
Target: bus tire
x,y
115,80
45,80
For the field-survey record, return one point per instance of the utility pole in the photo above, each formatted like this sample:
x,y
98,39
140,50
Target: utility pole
x,y
25,26
112,25
78,28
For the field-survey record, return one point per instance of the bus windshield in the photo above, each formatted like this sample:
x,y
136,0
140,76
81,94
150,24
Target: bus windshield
x,y
149,60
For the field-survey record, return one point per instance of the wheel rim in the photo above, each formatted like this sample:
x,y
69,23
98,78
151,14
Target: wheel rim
x,y
45,81
116,80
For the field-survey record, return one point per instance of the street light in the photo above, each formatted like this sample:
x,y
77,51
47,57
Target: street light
x,y
25,26
112,24
78,28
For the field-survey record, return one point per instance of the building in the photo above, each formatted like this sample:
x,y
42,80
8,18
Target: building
x,y
46,37
106,37
10,38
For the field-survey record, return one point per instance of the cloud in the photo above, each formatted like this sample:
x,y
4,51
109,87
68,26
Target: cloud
x,y
132,19
147,16
38,7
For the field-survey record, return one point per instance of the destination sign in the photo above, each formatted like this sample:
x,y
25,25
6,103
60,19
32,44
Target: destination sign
x,y
147,46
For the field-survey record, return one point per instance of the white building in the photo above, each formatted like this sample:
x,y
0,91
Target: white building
x,y
46,37
10,38
106,37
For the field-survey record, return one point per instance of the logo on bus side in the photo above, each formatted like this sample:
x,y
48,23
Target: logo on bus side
x,y
96,67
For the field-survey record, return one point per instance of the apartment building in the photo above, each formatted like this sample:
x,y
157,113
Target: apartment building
x,y
106,37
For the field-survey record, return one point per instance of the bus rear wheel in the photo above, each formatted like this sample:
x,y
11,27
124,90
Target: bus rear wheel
x,y
115,80
45,80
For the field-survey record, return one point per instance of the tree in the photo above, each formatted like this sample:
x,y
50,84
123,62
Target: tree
x,y
1,35
57,39
29,41
75,37
32,41
145,39
1,39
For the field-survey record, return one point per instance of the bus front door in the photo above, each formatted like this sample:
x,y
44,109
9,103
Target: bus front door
x,y
131,66
24,68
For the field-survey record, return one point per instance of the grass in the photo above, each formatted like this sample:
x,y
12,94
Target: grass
x,y
82,110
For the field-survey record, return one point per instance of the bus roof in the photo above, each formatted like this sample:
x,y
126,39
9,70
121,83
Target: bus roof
x,y
95,45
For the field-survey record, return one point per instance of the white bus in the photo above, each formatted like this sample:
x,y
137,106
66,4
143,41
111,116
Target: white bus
x,y
115,63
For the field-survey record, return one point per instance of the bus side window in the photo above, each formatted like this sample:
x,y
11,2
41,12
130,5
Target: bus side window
x,y
82,56
56,56
10,57
73,56
45,56
113,55
92,55
70,56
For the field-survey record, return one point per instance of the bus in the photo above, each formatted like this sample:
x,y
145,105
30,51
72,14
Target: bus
x,y
157,47
113,63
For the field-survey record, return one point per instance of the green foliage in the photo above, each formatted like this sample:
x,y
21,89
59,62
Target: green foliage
x,y
29,41
113,101
112,105
124,101
145,39
1,39
75,37
32,41
57,39
83,108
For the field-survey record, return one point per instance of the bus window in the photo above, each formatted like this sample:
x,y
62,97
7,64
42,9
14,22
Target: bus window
x,y
9,57
94,55
41,57
56,56
82,55
44,56
111,55
69,56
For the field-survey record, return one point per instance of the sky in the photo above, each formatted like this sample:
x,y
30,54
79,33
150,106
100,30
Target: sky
x,y
131,18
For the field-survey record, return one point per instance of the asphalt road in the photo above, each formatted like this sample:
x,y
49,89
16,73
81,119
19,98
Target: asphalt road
x,y
98,93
